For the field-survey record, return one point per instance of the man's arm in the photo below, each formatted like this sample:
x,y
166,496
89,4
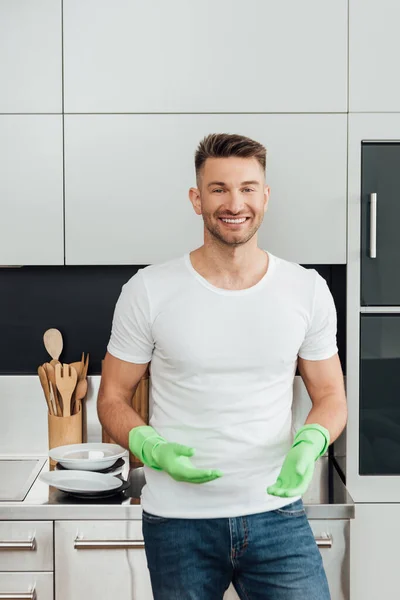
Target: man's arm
x,y
119,380
325,385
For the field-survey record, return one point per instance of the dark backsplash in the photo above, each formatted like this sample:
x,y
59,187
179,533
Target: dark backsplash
x,y
80,301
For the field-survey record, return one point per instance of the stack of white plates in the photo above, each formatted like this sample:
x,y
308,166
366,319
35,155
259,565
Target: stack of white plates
x,y
80,462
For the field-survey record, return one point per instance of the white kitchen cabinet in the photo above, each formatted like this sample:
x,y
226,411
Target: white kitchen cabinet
x,y
128,176
102,570
31,190
225,56
34,586
30,56
374,49
374,554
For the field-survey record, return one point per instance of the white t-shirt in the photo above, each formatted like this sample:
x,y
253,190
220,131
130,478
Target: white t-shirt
x,y
222,369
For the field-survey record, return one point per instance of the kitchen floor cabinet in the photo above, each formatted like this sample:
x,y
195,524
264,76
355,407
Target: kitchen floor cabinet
x,y
106,559
103,560
127,180
26,560
31,190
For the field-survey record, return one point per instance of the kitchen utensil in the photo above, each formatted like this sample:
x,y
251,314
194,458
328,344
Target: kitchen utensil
x,y
51,375
80,393
80,481
78,367
90,456
66,379
46,388
53,343
85,368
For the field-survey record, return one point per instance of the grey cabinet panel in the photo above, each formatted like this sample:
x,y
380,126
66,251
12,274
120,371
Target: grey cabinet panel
x,y
30,56
380,281
374,49
128,177
225,56
31,190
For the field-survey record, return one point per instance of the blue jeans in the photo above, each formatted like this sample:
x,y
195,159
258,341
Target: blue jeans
x,y
267,556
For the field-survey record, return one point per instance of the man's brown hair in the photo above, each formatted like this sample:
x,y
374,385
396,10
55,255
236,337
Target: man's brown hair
x,y
223,145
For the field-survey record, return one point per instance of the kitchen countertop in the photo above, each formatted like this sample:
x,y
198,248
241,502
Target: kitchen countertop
x,y
326,498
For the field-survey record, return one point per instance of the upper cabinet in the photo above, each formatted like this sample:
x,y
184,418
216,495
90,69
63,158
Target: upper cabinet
x,y
225,56
31,190
30,56
127,179
374,49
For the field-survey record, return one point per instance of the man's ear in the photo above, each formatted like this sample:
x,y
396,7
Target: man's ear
x,y
194,197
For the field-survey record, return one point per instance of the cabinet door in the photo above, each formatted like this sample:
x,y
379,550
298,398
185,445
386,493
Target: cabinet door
x,y
31,190
374,553
107,561
225,56
332,538
379,394
128,176
374,48
30,56
380,215
37,586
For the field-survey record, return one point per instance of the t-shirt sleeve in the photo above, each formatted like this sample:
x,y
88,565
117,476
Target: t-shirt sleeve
x,y
131,337
320,339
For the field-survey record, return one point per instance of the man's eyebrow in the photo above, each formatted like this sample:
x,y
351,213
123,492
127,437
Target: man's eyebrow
x,y
222,183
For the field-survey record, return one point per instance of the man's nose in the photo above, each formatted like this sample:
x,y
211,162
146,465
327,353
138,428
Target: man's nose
x,y
235,203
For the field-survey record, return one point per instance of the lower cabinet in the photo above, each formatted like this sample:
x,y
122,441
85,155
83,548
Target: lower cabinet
x,y
375,557
26,586
106,559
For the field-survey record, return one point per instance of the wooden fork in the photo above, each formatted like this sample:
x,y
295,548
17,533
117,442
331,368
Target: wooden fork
x,y
66,378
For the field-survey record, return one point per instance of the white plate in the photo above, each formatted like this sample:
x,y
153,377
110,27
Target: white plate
x,y
80,481
87,457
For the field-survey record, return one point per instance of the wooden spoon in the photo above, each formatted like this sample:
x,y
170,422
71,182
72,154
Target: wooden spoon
x,y
66,379
53,343
46,388
52,379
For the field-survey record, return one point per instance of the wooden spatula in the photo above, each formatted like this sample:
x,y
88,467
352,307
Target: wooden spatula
x,y
46,388
66,378
53,343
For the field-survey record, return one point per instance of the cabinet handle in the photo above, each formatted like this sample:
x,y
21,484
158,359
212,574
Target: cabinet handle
x,y
372,225
18,595
324,542
80,544
18,545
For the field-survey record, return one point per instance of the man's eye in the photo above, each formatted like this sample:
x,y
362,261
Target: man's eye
x,y
249,189
218,190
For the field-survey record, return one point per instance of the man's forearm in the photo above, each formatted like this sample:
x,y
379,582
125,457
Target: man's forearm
x,y
118,418
331,413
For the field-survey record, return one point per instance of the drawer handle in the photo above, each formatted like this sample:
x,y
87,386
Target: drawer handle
x,y
372,225
18,595
18,545
80,544
324,542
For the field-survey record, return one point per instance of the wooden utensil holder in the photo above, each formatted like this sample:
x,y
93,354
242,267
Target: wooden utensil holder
x,y
64,430
140,403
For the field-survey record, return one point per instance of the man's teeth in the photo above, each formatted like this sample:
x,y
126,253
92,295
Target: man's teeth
x,y
234,220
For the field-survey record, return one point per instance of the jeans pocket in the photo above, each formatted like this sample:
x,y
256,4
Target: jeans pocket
x,y
294,509
155,519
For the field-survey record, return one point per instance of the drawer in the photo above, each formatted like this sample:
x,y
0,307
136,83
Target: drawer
x,y
26,546
26,586
333,540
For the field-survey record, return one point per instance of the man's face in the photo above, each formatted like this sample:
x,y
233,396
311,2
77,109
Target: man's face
x,y
232,198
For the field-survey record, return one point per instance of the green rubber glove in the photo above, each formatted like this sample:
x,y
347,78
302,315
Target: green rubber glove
x,y
310,442
155,452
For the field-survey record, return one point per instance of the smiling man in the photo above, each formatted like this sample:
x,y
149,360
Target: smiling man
x,y
225,327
